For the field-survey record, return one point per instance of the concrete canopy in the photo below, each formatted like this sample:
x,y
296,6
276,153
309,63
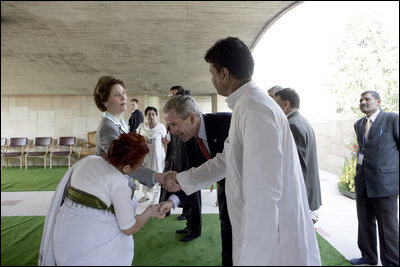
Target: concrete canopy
x,y
63,47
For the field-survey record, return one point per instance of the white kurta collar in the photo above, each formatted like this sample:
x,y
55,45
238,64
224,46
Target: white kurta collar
x,y
233,97
121,123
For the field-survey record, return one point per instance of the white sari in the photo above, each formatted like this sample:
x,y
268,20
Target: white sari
x,y
74,234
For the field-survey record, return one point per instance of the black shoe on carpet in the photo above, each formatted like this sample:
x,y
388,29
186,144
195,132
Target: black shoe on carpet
x,y
181,217
188,237
360,261
182,231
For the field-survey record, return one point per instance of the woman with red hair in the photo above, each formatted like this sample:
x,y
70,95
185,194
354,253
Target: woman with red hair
x,y
92,216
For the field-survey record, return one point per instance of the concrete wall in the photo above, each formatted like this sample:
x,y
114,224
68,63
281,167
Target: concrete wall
x,y
332,137
55,116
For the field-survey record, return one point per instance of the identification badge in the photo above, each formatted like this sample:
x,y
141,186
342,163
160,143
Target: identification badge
x,y
360,158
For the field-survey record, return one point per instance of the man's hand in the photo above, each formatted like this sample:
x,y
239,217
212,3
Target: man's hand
x,y
156,212
165,206
171,183
160,177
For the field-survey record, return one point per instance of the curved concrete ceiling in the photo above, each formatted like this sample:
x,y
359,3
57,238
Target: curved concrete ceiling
x,y
63,47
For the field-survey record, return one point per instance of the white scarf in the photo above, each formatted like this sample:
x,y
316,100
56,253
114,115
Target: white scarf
x,y
148,132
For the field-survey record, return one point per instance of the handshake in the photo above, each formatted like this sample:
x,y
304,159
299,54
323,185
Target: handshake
x,y
159,210
168,181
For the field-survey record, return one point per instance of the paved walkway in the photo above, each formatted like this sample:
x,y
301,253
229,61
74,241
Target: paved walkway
x,y
337,216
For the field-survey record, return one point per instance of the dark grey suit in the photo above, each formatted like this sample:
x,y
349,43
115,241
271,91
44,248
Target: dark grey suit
x,y
377,188
304,138
108,131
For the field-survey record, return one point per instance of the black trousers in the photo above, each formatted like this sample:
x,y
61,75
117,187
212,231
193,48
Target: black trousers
x,y
226,227
382,210
192,211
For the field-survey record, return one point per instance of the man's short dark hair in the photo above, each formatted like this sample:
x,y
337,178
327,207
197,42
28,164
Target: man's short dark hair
x,y
290,95
134,100
179,89
276,88
374,94
233,54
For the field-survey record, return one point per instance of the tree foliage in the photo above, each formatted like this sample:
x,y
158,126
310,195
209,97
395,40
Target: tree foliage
x,y
366,59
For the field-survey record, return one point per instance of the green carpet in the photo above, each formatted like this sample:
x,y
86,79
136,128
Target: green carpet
x,y
156,244
33,179
13,179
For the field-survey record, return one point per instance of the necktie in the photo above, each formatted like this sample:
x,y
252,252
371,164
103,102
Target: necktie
x,y
203,148
367,127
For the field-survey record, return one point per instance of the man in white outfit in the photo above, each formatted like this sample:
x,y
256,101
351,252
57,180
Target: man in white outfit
x,y
265,189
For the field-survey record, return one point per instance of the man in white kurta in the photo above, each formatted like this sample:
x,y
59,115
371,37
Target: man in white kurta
x,y
265,188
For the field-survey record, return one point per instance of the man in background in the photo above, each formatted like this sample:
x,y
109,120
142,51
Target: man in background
x,y
136,116
273,90
377,182
176,159
304,137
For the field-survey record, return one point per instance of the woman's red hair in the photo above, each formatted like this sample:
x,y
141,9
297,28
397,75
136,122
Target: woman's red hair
x,y
128,149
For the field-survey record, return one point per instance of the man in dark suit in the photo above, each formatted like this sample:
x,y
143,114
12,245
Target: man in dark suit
x,y
377,182
203,136
304,138
136,117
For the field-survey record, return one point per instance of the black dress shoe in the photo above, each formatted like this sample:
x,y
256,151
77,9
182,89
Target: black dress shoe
x,y
181,217
188,237
361,261
182,231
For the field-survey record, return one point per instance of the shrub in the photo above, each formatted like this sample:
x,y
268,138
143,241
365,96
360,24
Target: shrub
x,y
346,179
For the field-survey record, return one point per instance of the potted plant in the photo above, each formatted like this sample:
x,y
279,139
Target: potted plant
x,y
346,179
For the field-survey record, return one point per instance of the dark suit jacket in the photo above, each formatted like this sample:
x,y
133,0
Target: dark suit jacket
x,y
135,119
217,129
175,160
378,176
304,138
